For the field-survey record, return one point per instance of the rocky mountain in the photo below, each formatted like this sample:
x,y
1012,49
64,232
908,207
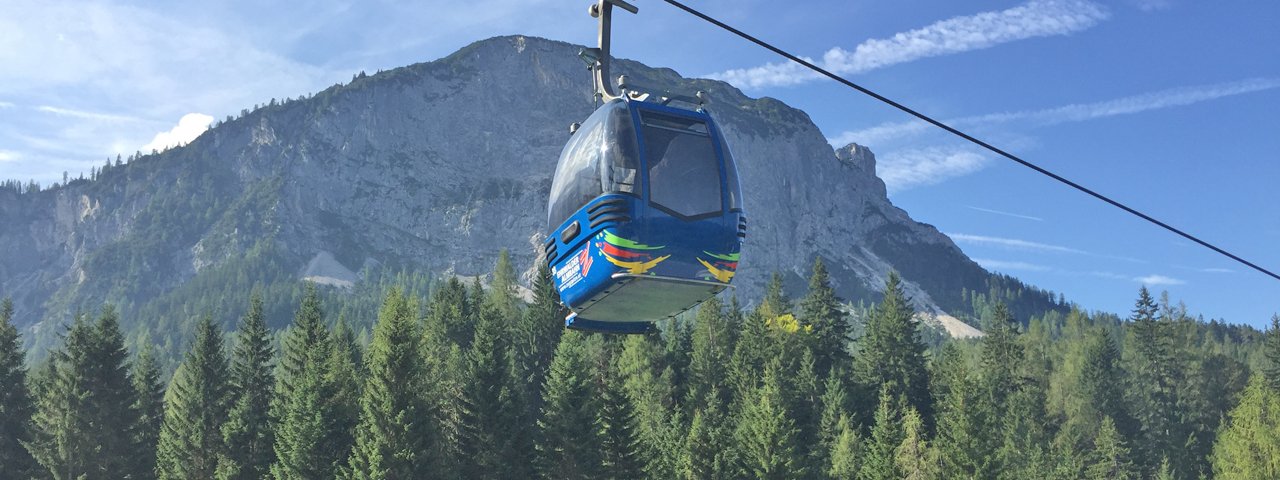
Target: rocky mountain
x,y
434,167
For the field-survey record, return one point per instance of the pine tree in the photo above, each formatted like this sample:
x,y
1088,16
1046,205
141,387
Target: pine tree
x,y
195,407
344,381
1271,350
247,433
149,406
16,406
1110,456
488,400
892,355
1151,395
85,413
1095,391
835,406
566,448
502,291
846,451
879,460
649,381
533,342
707,449
1249,446
766,435
964,437
394,435
711,353
616,429
820,310
915,459
1001,356
310,441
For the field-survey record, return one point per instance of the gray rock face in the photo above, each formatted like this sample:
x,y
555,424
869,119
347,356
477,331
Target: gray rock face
x,y
438,166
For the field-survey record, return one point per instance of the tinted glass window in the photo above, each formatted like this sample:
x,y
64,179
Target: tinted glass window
x,y
684,175
601,157
731,175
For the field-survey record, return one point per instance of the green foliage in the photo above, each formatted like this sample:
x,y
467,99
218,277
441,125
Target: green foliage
x,y
247,433
394,434
1272,351
846,451
1249,446
914,457
195,408
879,460
85,409
820,310
484,386
566,447
766,434
1110,456
16,406
149,406
313,439
892,357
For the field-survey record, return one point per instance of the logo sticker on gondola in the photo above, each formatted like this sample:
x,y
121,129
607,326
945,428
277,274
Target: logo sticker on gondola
x,y
571,272
585,259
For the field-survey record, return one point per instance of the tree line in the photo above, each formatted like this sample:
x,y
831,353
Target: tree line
x,y
472,382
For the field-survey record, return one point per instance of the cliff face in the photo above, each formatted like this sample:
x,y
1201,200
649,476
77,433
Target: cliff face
x,y
437,166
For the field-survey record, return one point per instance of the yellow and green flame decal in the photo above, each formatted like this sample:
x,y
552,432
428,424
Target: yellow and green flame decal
x,y
723,275
636,268
728,257
624,243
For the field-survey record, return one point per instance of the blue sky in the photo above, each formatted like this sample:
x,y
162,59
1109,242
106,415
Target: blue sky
x,y
1168,105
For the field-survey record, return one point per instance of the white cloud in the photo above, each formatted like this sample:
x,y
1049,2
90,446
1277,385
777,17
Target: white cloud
x,y
1007,214
189,127
1006,265
905,169
1011,243
1154,280
6,104
86,115
1173,97
1037,18
8,156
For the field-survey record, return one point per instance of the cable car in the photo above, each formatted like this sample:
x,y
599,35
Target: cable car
x,y
645,214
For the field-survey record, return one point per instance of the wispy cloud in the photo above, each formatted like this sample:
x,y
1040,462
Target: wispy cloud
x,y
1079,112
1037,18
1006,265
86,115
909,168
1012,243
6,104
1154,280
7,156
188,128
1007,214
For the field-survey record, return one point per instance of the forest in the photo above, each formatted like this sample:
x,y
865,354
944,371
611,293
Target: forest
x,y
464,381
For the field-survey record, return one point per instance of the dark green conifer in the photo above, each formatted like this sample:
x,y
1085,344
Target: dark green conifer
x,y
820,310
16,405
892,355
149,406
248,433
195,408
879,461
394,437
566,448
766,435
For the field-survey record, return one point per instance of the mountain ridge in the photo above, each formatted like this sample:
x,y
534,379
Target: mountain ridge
x,y
436,166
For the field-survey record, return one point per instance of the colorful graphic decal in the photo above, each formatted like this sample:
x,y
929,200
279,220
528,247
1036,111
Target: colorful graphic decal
x,y
616,249
723,267
624,243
